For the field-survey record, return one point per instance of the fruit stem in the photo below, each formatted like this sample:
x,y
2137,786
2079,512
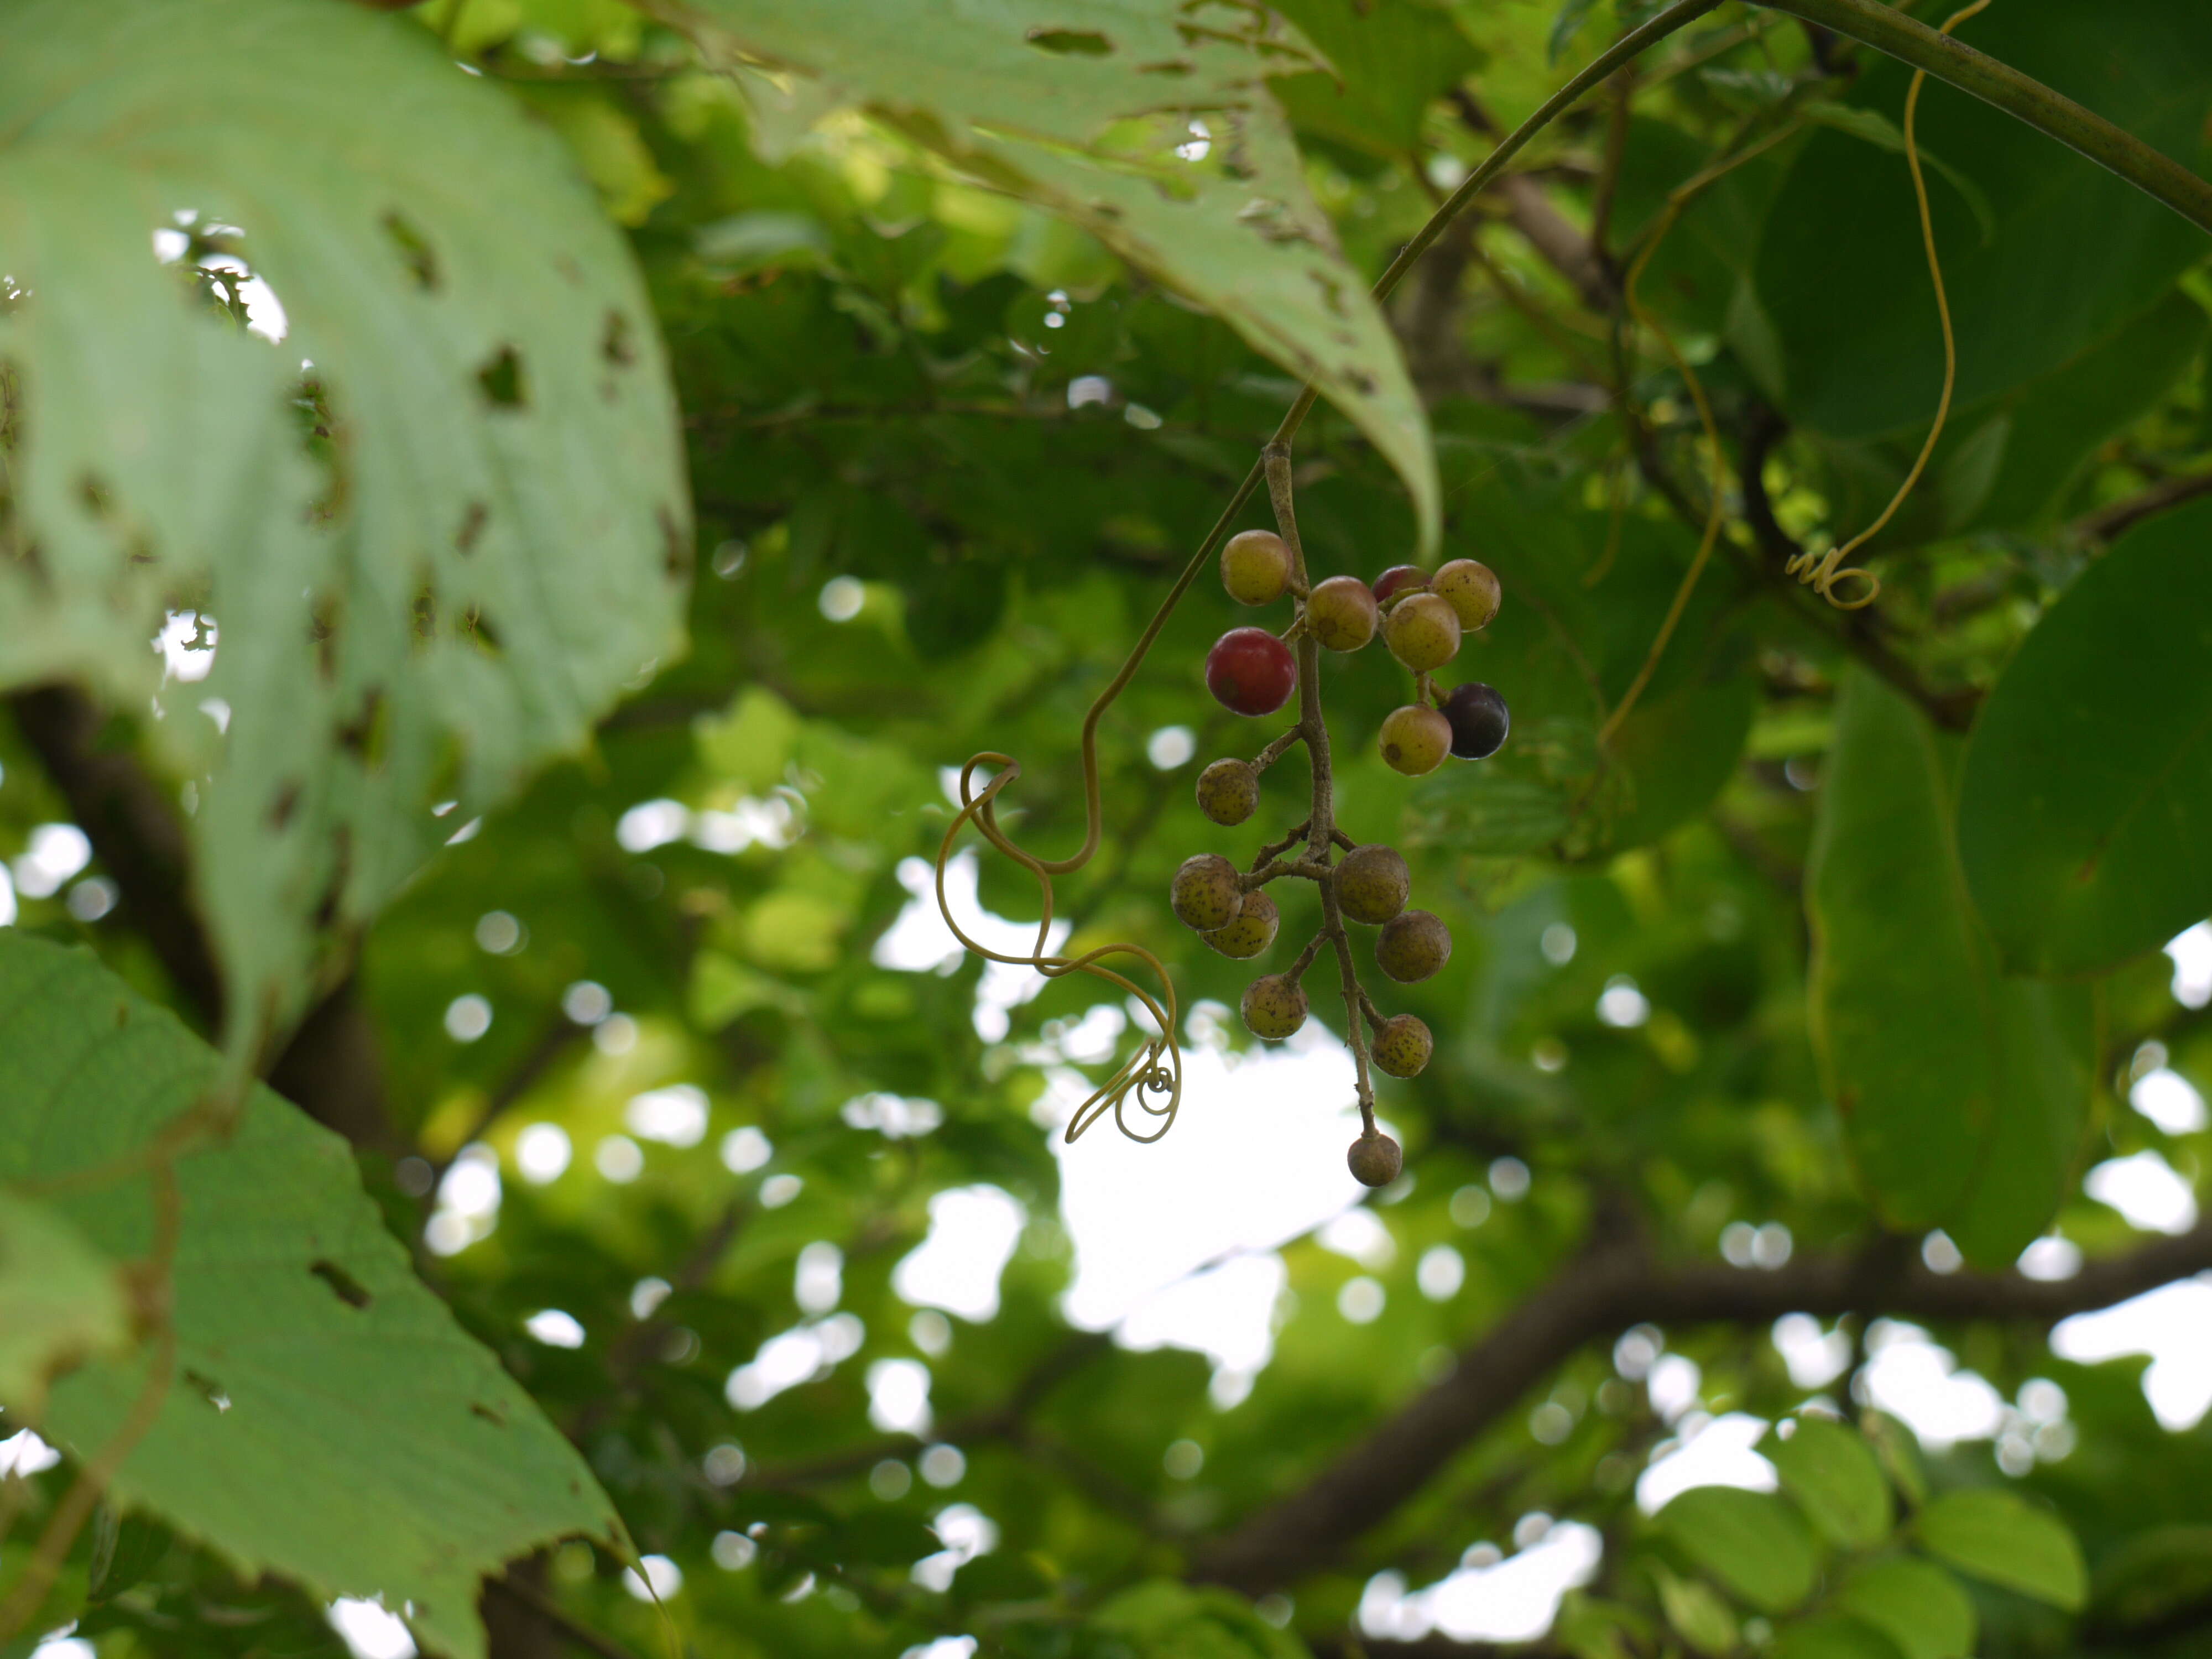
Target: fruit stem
x,y
1273,752
1321,828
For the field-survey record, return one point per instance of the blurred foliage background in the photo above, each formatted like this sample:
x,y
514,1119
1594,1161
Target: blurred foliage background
x,y
668,1081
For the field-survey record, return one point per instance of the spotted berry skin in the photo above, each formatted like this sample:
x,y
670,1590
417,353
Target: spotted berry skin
x,y
1413,944
1273,1007
1341,613
1470,587
1250,672
1479,721
1422,632
1253,931
1415,739
1375,1160
1228,790
1205,894
1372,883
1403,1045
1256,567
1398,578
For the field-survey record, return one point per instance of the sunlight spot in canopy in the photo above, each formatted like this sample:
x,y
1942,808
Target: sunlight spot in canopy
x,y
652,823
7,898
794,1357
918,941
2052,1259
674,1117
468,1201
943,1466
186,644
842,598
1672,1382
2146,1190
746,1150
1361,1300
2173,1325
1558,944
468,1017
1815,1357
968,1533
368,1631
542,1152
1261,1165
1621,1005
818,1281
615,1035
55,853
555,1328
662,1579
23,1453
1717,1452
2192,953
1916,1381
944,1647
898,1396
62,1645
2169,1100
972,1234
1441,1272
1087,389
895,1117
586,1002
646,1296
1515,1599
779,1190
1359,1234
733,1551
1170,746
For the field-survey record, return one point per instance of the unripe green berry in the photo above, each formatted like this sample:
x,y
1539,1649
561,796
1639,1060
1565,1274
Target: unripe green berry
x,y
1375,1160
1371,883
1415,739
1228,790
1470,589
1256,567
1413,944
1403,1045
1273,1007
1341,613
1253,931
1205,894
1422,632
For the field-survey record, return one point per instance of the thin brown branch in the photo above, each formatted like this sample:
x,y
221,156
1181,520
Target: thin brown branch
x,y
560,1035
2109,521
1615,1282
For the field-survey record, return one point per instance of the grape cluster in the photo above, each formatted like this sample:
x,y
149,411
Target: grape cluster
x,y
1422,619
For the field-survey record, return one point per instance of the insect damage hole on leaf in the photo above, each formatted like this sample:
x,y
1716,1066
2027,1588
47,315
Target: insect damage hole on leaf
x,y
414,250
1070,43
617,343
502,379
343,1285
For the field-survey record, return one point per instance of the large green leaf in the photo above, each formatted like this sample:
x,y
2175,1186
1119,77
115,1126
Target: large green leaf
x,y
2000,1537
1963,1092
1834,1478
1386,62
1832,1637
328,1420
1082,109
1840,269
60,1301
453,586
2086,800
1750,1542
1920,1605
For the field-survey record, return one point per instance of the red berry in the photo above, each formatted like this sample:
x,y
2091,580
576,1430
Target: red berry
x,y
1250,672
1398,576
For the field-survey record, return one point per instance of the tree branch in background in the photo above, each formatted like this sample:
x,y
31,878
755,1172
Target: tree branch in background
x,y
1615,1282
1560,242
2109,521
512,1606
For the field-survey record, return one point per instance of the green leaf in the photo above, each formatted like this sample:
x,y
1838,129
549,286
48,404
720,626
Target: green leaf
x,y
422,607
1085,118
1751,1541
61,1302
1835,1480
1840,268
1168,1620
1963,1093
2002,1539
1695,1613
1919,1606
2087,792
310,1362
1877,129
2154,1575
1832,1637
1389,63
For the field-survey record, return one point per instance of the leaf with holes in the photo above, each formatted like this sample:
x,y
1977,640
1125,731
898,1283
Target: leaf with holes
x,y
310,1360
60,1301
1964,1092
1149,125
430,559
